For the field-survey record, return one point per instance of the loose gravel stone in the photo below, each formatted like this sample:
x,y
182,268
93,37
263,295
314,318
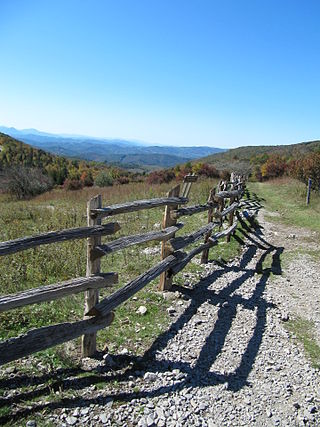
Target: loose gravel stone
x,y
71,421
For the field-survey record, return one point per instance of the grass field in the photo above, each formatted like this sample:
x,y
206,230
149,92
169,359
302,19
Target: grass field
x,y
52,263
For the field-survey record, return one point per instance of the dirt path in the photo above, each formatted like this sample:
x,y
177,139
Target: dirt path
x,y
298,289
226,360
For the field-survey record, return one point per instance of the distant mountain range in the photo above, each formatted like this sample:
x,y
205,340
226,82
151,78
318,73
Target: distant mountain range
x,y
124,153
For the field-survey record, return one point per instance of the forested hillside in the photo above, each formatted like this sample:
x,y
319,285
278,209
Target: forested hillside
x,y
16,155
246,159
260,163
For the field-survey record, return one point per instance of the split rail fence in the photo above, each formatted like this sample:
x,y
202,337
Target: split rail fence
x,y
222,204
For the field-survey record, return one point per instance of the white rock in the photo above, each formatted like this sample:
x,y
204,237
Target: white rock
x,y
150,376
171,310
142,310
103,418
71,421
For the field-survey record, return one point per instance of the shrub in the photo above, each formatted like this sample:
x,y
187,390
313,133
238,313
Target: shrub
x,y
182,172
122,180
103,179
256,173
161,176
307,167
274,167
207,171
86,178
24,182
72,184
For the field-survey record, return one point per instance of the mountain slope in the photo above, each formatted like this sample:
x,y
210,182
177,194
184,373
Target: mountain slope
x,y
17,153
242,159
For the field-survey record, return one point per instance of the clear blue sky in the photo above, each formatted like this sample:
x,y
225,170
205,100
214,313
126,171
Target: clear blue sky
x,y
183,72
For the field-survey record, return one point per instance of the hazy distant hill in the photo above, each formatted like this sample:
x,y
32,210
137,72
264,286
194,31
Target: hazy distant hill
x,y
243,158
125,153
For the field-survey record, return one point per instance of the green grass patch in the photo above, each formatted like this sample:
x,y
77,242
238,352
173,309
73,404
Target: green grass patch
x,y
5,411
304,331
287,198
290,256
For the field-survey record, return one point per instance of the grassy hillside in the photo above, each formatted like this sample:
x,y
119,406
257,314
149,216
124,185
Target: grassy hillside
x,y
243,159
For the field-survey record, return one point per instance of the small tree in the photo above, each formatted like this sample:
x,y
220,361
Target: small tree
x,y
24,182
103,179
86,178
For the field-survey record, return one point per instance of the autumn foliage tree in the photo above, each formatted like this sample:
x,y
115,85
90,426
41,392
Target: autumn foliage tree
x,y
307,167
274,167
161,176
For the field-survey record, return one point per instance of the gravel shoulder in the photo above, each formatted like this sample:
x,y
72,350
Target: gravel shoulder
x,y
227,358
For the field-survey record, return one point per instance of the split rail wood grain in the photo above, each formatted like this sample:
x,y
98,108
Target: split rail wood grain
x,y
17,245
222,204
137,206
56,291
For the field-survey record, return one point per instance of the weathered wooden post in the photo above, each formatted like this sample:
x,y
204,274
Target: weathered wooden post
x,y
187,183
308,191
93,267
232,181
205,253
231,215
233,186
165,280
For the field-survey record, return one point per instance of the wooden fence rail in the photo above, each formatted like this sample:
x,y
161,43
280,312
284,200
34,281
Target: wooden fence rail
x,y
125,242
221,205
17,245
137,206
59,290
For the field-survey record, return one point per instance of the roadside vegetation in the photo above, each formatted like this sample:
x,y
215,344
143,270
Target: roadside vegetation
x,y
285,198
303,330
